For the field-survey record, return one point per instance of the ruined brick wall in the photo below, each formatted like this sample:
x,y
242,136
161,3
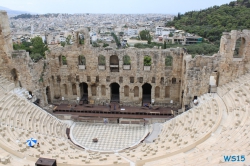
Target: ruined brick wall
x,y
29,73
224,66
5,44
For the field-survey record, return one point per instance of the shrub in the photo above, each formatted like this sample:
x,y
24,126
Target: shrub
x,y
101,60
64,60
147,61
169,61
36,57
126,60
82,60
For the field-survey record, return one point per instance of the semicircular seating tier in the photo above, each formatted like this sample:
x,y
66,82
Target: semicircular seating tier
x,y
21,120
219,125
231,137
183,132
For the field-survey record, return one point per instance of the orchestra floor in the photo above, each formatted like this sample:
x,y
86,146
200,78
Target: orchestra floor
x,y
111,137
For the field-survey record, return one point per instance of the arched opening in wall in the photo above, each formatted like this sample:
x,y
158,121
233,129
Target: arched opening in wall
x,y
114,92
153,80
136,91
167,91
173,80
64,60
101,60
218,79
184,67
74,89
162,80
93,90
239,47
81,60
14,74
146,93
114,63
30,93
169,61
65,89
60,60
126,90
157,92
84,90
48,94
80,38
103,90
213,82
126,62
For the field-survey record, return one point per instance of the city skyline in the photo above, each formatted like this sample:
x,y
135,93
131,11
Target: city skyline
x,y
110,6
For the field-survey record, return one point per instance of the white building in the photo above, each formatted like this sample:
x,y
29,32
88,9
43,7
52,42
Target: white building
x,y
131,32
93,36
163,31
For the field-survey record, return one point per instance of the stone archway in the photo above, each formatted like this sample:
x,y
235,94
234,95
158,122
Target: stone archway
x,y
14,74
239,48
146,93
48,94
83,90
114,92
114,63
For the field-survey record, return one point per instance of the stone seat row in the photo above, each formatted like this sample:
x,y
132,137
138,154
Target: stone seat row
x,y
230,141
184,131
21,120
222,90
231,137
14,112
50,147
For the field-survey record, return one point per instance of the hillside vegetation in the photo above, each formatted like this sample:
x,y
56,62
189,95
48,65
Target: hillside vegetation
x,y
211,22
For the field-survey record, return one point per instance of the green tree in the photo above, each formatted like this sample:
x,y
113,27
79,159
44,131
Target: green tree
x,y
147,61
82,60
121,33
117,41
38,46
165,45
126,60
168,61
145,35
63,44
94,44
101,60
105,45
68,39
211,22
36,57
81,40
64,60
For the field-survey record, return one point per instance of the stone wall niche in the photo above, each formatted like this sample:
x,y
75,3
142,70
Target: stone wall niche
x,y
126,62
81,62
147,63
114,63
101,62
239,48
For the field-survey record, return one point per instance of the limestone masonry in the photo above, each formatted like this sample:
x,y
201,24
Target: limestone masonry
x,y
99,74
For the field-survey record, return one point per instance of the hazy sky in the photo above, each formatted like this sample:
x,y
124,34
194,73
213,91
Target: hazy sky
x,y
110,6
